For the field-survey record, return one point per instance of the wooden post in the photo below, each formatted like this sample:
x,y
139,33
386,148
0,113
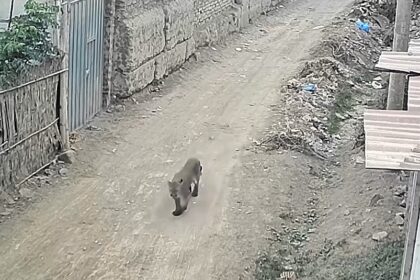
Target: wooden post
x,y
64,80
397,81
412,223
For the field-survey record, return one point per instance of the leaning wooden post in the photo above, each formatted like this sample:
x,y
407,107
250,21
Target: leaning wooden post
x,y
64,80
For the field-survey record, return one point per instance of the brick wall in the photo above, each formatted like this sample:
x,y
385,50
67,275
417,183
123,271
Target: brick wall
x,y
146,40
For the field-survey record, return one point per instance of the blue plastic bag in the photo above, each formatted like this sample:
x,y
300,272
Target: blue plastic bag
x,y
364,26
310,88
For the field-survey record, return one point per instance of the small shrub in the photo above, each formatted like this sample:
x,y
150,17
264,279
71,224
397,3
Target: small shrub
x,y
28,41
383,263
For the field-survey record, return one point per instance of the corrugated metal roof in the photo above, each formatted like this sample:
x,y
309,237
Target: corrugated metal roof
x,y
414,45
400,62
414,82
391,137
414,94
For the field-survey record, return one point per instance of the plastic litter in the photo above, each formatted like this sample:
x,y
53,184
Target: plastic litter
x,y
364,26
310,88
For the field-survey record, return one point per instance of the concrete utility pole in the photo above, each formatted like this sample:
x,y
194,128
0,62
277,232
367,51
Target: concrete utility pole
x,y
397,81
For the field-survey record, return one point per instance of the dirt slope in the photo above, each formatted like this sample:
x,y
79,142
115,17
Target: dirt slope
x,y
111,218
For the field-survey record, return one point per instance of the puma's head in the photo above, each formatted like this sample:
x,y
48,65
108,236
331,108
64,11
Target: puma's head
x,y
174,187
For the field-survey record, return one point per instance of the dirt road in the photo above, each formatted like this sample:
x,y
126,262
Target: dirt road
x,y
111,219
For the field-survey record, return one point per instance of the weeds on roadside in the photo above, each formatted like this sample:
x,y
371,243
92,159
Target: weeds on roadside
x,y
382,263
342,105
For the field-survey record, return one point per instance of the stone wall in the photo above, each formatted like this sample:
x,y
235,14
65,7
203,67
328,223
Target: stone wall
x,y
146,40
205,10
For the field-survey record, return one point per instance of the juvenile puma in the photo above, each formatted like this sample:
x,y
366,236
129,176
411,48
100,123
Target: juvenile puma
x,y
180,185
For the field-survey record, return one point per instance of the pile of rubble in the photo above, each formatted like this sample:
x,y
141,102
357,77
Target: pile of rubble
x,y
311,104
307,105
371,9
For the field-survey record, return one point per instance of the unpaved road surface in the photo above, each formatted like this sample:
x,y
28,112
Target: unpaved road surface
x,y
111,218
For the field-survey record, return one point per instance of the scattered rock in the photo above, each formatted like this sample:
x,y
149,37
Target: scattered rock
x,y
288,267
6,212
360,160
399,220
347,213
26,193
401,214
376,85
48,172
296,244
400,190
357,231
63,171
403,203
379,236
67,157
120,108
375,199
93,128
340,116
6,197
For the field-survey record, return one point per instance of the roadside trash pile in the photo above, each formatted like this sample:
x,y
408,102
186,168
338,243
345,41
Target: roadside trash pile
x,y
312,104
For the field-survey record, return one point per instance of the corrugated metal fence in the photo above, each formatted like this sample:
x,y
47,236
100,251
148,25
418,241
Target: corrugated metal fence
x,y
85,60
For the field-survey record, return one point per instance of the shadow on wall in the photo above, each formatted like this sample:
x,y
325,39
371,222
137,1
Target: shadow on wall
x,y
154,39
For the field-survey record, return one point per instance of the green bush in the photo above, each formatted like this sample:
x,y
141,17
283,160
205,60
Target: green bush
x,y
27,41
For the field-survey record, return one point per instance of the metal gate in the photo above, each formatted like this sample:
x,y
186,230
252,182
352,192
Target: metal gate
x,y
86,22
